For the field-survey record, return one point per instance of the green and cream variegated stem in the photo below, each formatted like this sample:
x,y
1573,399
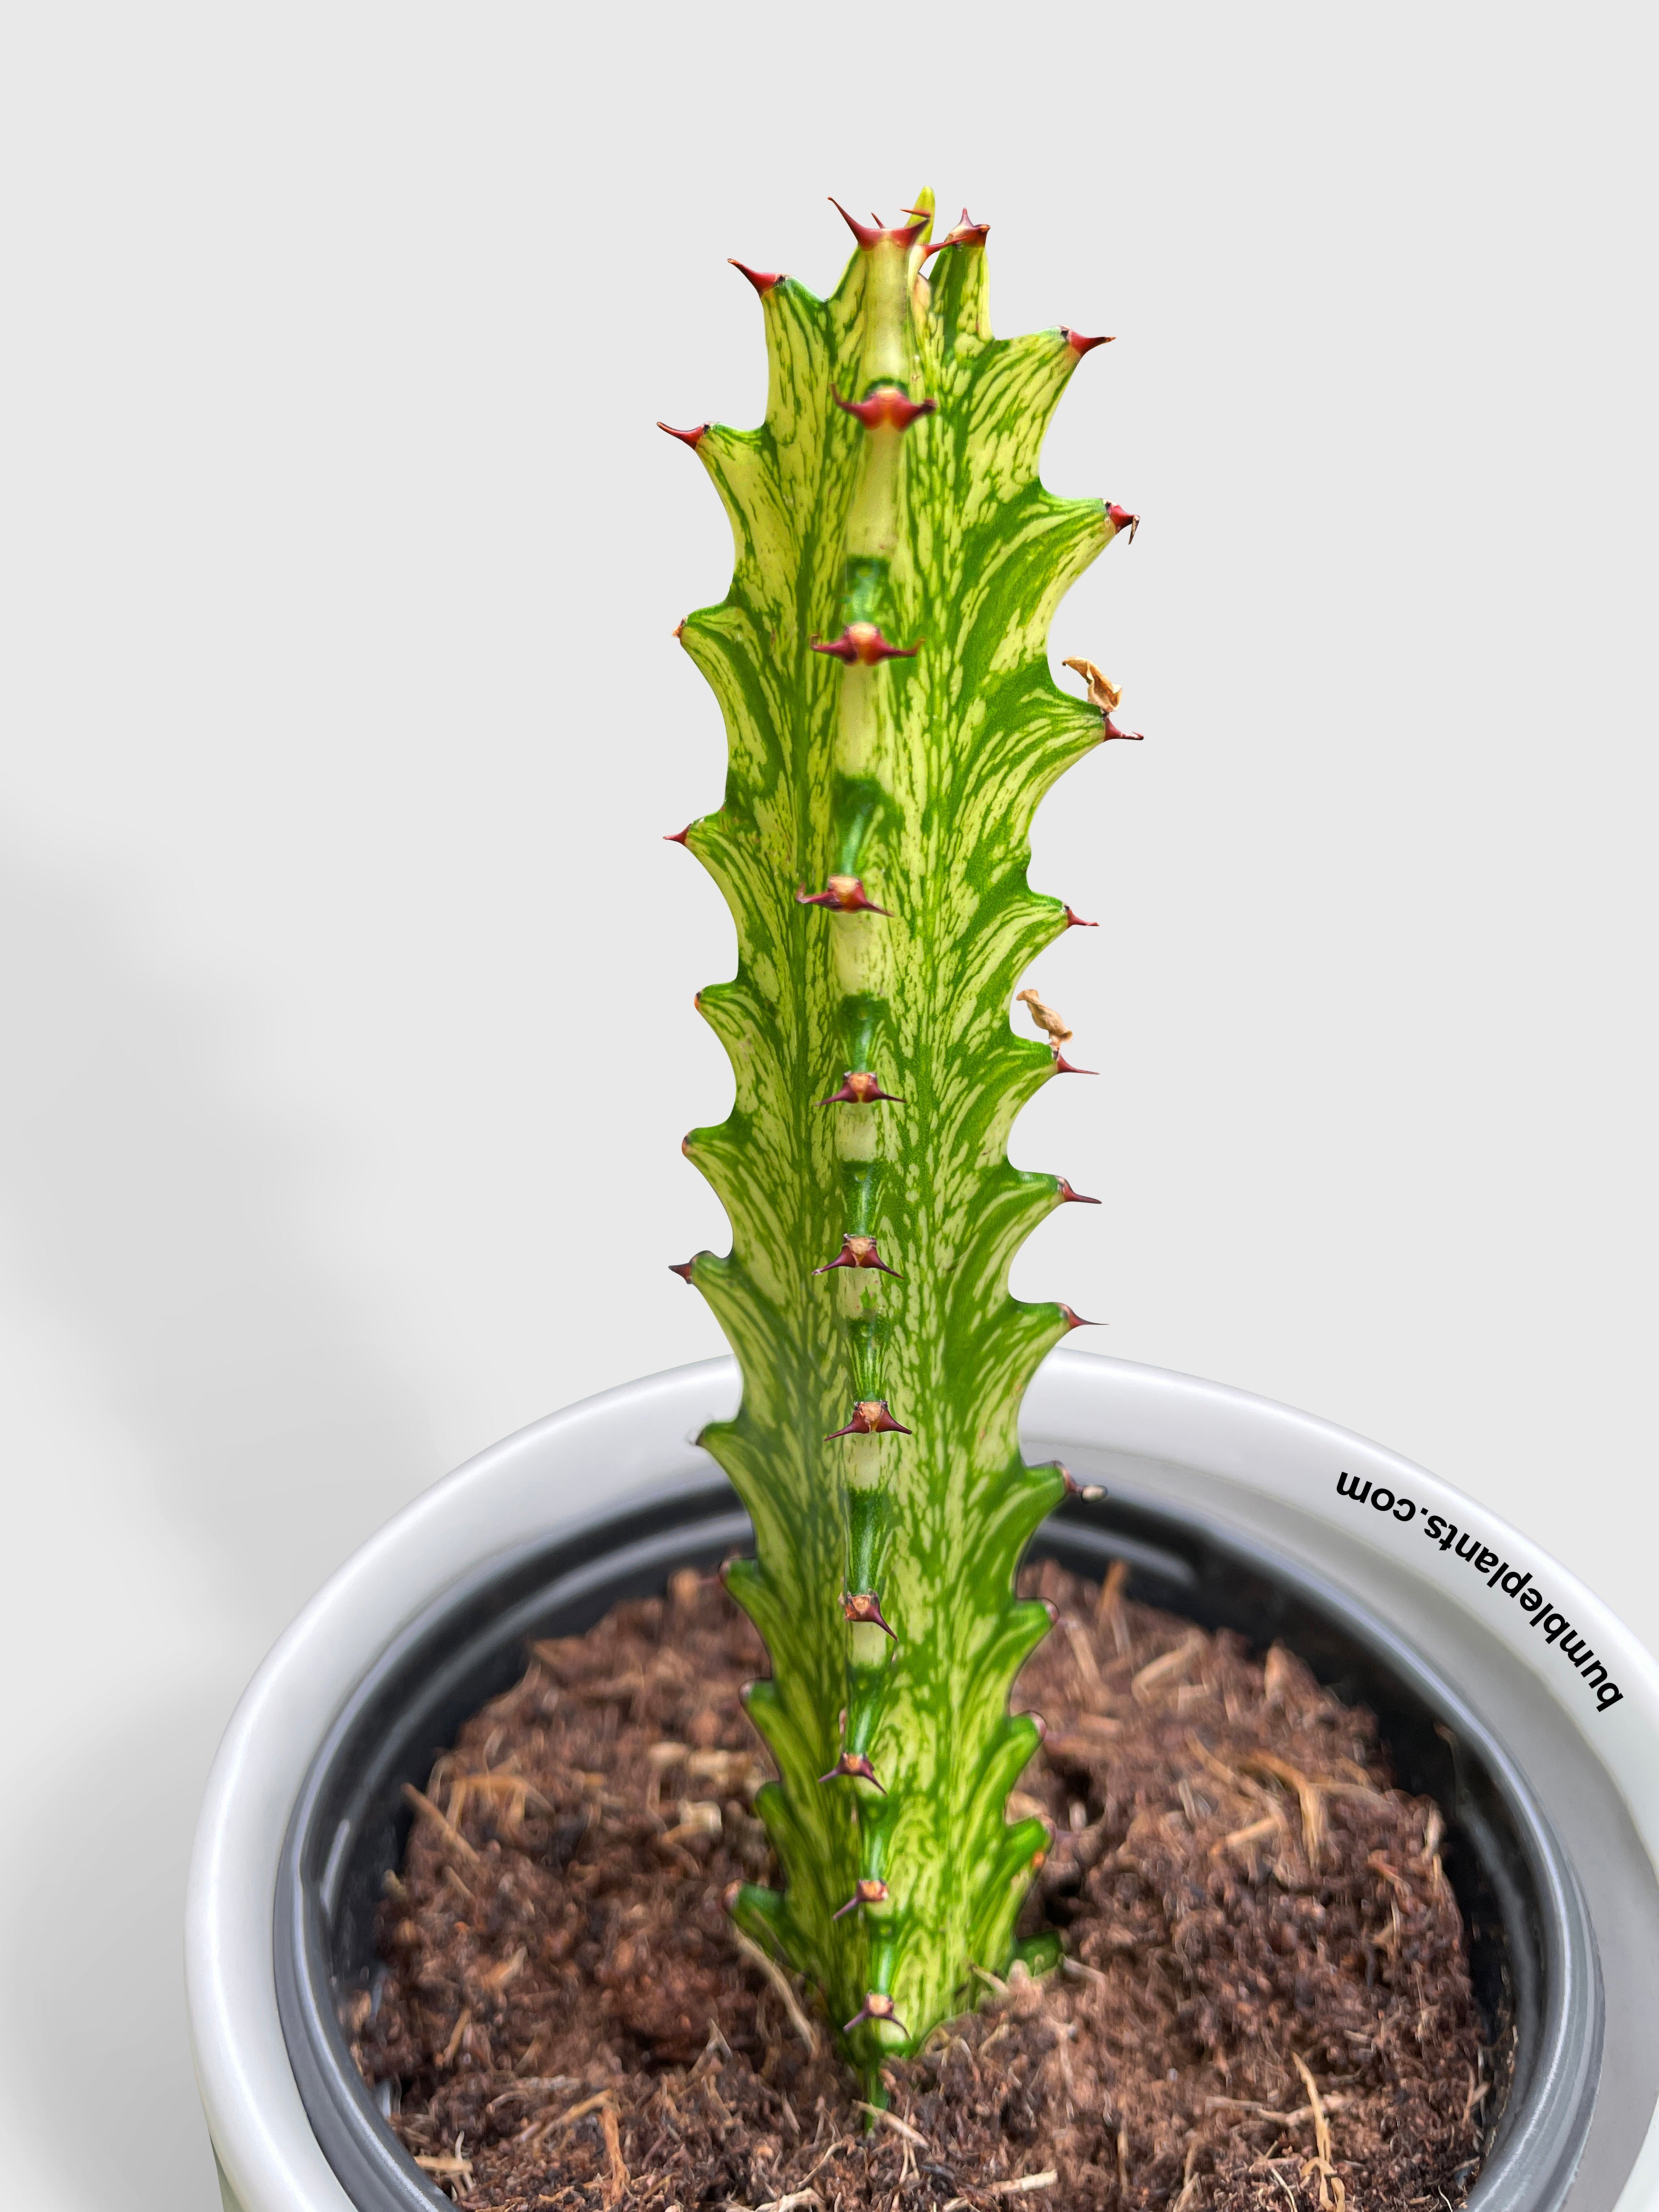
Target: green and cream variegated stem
x,y
881,662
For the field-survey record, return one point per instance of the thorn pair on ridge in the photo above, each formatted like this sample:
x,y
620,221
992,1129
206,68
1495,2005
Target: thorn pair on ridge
x,y
858,1252
863,1609
863,642
854,1763
870,1417
846,894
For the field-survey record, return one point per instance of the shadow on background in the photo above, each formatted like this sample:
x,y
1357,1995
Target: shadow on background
x,y
160,1217
94,1966
157,1216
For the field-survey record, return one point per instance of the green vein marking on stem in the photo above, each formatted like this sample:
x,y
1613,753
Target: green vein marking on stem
x,y
880,661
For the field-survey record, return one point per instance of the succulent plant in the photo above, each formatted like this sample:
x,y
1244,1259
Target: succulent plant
x,y
881,663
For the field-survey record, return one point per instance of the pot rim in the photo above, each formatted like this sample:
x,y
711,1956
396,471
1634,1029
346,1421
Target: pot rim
x,y
543,1479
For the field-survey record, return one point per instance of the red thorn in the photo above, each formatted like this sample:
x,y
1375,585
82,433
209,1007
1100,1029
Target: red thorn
x,y
865,237
686,437
1053,1612
1111,730
881,235
858,1252
1070,1197
1087,1491
846,894
678,836
877,2006
1078,344
1076,922
685,1145
730,1894
1075,1319
1039,1860
864,1606
763,279
860,1088
679,629
855,1764
888,409
1040,1725
866,1891
1063,1067
870,1418
864,643
682,1268
967,232
1121,519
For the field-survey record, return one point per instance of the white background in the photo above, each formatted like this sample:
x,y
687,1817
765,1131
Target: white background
x,y
345,985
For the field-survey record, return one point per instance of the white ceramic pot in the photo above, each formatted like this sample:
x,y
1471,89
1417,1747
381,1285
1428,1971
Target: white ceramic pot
x,y
1479,1624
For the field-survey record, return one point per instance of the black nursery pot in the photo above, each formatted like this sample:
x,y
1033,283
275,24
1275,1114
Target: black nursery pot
x,y
1533,1950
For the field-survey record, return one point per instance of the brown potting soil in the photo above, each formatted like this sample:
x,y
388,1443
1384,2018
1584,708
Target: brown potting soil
x,y
1266,1994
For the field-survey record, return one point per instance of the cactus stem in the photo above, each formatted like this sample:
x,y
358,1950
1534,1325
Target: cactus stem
x,y
921,784
864,1606
1070,1197
882,234
854,1763
864,644
1072,921
762,279
846,894
886,408
860,1252
870,1418
1076,1320
967,232
686,437
860,1088
1121,519
867,1891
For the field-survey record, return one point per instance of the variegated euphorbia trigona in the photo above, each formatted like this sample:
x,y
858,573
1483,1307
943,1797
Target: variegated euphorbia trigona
x,y
881,661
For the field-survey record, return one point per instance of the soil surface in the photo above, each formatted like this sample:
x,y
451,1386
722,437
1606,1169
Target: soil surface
x,y
1266,1996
